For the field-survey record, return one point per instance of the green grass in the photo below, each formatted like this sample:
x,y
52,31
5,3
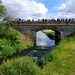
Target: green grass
x,y
19,66
51,35
12,41
63,59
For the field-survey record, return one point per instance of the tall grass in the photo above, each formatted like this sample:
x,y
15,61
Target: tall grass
x,y
19,66
10,41
63,58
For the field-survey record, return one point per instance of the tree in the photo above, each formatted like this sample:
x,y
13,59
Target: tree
x,y
7,18
2,9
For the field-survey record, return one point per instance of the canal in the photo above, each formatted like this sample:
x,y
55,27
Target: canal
x,y
43,46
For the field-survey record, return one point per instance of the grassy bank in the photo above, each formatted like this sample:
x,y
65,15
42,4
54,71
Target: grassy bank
x,y
61,61
12,41
28,43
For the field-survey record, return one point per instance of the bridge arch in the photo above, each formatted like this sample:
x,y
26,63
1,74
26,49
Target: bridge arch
x,y
62,30
45,38
58,34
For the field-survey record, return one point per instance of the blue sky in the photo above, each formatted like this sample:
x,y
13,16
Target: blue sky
x,y
51,4
40,8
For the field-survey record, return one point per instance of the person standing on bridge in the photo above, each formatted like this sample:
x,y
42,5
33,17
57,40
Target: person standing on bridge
x,y
18,21
58,20
66,20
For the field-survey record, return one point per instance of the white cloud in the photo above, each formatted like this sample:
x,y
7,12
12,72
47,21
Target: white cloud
x,y
62,7
18,8
66,10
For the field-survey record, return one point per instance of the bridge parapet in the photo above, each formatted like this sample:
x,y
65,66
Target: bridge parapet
x,y
44,23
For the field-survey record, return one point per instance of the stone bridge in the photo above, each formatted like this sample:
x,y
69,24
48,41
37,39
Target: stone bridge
x,y
62,30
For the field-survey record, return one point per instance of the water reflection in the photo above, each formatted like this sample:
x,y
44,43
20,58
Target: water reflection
x,y
43,40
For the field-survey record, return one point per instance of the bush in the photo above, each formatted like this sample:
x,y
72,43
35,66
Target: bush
x,y
51,35
19,66
19,47
9,41
45,60
7,50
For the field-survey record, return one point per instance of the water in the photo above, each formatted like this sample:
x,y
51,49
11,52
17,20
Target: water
x,y
44,46
43,40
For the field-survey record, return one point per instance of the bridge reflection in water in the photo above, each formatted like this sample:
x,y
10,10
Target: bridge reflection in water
x,y
43,40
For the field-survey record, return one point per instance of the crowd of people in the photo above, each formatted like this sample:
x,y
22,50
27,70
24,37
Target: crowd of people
x,y
45,20
42,20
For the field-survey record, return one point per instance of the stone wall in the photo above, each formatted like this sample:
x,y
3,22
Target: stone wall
x,y
61,30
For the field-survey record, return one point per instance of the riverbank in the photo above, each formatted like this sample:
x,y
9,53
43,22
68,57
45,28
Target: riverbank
x,y
12,42
61,61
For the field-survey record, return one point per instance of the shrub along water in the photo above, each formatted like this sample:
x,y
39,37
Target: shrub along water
x,y
10,41
19,66
51,35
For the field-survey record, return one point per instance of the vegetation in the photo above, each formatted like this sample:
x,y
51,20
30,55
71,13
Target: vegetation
x,y
2,9
7,18
19,66
50,34
11,41
61,61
